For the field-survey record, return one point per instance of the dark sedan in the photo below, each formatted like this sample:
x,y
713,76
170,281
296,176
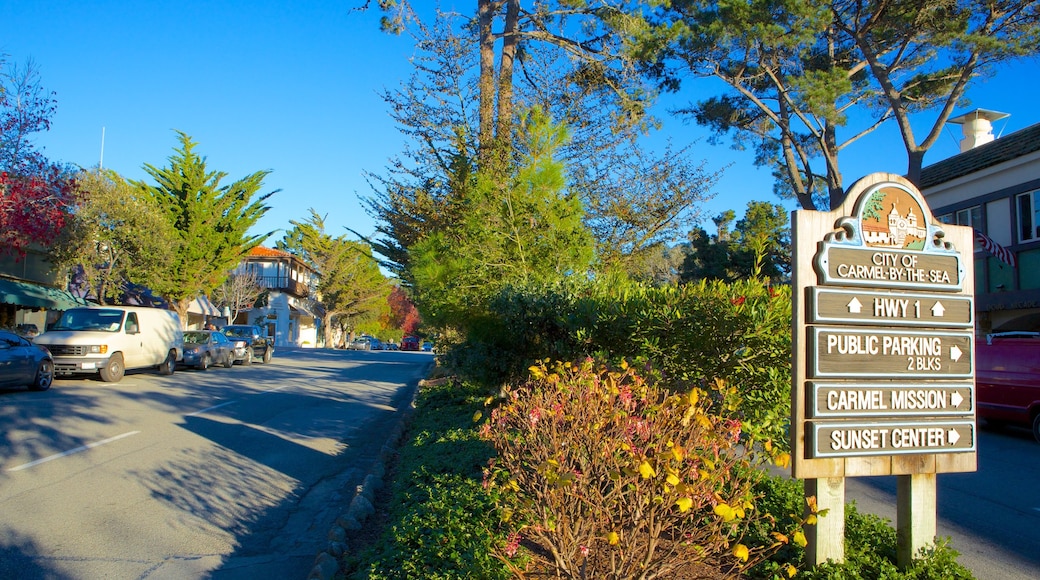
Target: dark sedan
x,y
23,363
203,348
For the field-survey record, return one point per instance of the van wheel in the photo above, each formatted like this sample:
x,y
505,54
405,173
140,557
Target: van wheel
x,y
1036,427
167,366
113,371
267,355
44,377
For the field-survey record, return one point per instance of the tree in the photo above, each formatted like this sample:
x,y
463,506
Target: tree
x,y
634,200
350,287
520,229
115,234
239,292
211,221
35,194
797,70
403,314
758,247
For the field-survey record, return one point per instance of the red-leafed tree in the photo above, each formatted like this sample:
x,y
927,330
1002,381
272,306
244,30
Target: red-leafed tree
x,y
35,194
403,313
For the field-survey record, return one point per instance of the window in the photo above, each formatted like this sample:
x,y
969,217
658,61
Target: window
x,y
1029,216
970,216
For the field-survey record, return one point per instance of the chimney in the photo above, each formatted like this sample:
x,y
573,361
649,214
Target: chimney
x,y
977,127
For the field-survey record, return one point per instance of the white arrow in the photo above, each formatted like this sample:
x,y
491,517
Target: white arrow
x,y
854,306
956,399
955,353
954,437
938,310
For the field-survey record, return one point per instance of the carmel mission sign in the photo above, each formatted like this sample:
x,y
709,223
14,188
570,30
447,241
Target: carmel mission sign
x,y
883,336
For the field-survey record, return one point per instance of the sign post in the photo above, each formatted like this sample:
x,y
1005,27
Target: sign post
x,y
883,374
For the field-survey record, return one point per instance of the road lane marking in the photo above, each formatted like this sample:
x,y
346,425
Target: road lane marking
x,y
72,451
208,409
233,401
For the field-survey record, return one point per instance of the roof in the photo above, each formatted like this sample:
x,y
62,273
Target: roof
x,y
262,252
1017,144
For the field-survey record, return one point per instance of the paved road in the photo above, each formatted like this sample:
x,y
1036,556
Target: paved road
x,y
227,474
992,516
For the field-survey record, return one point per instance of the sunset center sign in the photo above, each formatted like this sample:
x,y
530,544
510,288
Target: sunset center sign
x,y
883,336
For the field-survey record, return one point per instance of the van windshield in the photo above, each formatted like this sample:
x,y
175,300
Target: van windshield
x,y
103,319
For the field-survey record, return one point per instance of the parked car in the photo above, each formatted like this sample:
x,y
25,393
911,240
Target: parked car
x,y
1007,379
27,330
410,343
427,346
375,343
203,348
360,343
23,363
109,340
262,346
392,346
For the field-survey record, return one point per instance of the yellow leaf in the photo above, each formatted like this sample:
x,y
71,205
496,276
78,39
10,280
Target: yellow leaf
x,y
741,552
780,537
613,539
646,470
684,504
536,372
724,511
783,460
678,453
672,479
693,397
514,485
810,520
477,416
799,539
791,571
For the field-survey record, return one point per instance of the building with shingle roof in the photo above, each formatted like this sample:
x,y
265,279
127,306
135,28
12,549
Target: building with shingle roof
x,y
993,185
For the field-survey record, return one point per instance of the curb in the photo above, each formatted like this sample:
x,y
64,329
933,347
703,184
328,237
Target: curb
x,y
361,507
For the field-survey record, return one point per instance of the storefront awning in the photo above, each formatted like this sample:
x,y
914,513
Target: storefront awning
x,y
37,295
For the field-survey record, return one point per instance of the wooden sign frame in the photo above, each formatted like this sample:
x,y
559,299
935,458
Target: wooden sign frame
x,y
882,240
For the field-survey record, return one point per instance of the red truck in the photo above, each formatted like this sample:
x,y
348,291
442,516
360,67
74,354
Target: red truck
x,y
1007,379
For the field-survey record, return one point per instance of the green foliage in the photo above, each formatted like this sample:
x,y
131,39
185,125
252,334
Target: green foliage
x,y
692,334
518,228
443,523
870,544
758,247
115,235
618,478
211,221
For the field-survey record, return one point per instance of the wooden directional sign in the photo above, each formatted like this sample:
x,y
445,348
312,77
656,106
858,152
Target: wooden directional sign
x,y
861,352
883,335
828,305
891,400
845,439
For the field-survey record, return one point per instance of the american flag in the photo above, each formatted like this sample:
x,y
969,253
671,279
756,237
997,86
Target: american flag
x,y
999,252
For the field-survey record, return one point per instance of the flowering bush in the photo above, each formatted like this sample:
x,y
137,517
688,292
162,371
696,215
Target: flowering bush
x,y
615,477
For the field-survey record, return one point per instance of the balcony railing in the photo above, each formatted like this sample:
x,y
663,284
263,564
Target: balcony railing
x,y
284,284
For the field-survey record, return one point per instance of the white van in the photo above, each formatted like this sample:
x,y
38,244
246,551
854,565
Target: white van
x,y
108,340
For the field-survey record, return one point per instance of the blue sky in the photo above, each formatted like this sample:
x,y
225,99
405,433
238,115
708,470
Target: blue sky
x,y
294,88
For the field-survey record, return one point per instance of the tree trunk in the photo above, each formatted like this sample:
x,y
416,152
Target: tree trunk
x,y
915,159
181,308
485,17
510,41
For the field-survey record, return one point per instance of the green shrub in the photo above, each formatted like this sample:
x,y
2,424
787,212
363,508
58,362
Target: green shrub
x,y
619,478
870,544
738,332
442,524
